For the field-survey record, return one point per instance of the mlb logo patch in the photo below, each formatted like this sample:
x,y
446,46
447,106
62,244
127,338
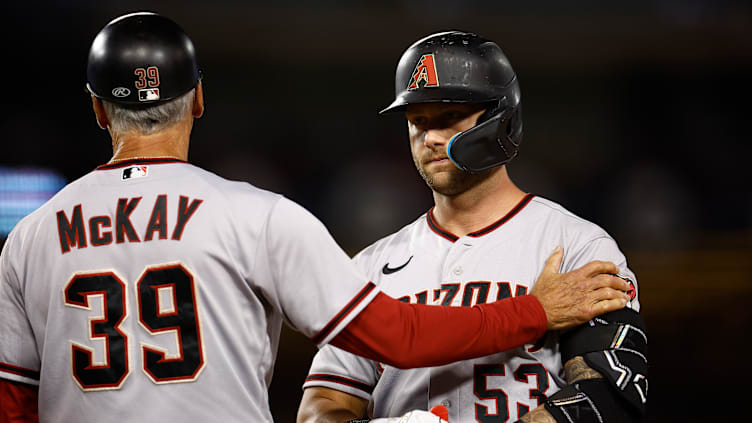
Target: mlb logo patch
x,y
148,94
135,172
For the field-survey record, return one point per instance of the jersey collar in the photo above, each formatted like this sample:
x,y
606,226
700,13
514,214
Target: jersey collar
x,y
452,237
145,160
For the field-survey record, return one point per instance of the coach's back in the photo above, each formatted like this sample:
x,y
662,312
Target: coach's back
x,y
150,284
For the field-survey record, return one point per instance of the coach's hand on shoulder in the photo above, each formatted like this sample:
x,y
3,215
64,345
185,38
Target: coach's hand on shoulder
x,y
575,297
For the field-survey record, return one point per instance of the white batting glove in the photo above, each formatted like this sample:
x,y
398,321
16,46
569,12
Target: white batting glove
x,y
415,416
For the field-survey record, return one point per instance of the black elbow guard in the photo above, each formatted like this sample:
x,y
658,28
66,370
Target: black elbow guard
x,y
590,401
615,345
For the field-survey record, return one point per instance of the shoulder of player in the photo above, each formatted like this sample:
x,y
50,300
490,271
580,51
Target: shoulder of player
x,y
556,213
583,240
391,241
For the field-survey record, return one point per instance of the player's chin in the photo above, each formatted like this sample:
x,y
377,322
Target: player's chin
x,y
446,184
454,181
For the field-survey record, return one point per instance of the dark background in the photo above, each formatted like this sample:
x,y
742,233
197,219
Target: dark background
x,y
636,118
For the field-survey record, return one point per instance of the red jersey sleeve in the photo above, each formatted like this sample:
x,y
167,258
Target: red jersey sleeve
x,y
18,402
413,335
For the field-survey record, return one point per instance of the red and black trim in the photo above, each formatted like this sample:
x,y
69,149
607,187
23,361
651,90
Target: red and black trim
x,y
438,229
521,205
452,237
322,377
9,368
131,162
343,313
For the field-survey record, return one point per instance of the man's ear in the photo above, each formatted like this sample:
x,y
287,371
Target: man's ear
x,y
198,101
99,111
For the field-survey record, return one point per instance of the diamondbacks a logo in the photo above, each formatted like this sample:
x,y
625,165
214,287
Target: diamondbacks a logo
x,y
425,71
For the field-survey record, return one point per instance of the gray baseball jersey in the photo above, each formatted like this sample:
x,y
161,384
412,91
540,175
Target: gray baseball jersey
x,y
499,261
154,290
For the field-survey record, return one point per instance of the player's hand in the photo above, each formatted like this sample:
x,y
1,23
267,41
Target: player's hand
x,y
573,298
419,416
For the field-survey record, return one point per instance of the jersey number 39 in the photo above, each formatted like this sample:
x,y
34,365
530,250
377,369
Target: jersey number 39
x,y
166,303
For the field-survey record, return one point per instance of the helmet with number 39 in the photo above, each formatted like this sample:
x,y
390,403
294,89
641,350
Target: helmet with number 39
x,y
141,59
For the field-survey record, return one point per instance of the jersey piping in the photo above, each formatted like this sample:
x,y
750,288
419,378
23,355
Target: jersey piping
x,y
342,381
20,371
130,162
452,237
343,313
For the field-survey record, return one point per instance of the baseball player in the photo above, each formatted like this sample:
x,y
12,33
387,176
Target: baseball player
x,y
484,240
153,290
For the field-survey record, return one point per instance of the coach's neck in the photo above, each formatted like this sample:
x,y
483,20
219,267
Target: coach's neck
x,y
172,142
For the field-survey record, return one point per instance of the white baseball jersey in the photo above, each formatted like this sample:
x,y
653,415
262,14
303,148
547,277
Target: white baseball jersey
x,y
154,290
497,262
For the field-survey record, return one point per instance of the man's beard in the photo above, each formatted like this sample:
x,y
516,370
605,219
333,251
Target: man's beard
x,y
453,182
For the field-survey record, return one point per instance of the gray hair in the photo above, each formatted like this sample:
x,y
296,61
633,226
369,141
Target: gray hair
x,y
151,119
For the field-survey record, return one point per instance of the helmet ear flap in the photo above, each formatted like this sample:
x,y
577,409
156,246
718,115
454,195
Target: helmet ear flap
x,y
489,144
513,128
493,108
476,149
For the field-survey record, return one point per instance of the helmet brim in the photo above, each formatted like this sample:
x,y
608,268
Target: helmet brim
x,y
445,95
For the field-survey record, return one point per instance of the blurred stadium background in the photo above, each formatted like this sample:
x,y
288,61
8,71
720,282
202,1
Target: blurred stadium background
x,y
636,117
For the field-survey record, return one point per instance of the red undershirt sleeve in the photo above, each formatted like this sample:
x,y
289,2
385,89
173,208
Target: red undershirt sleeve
x,y
18,402
413,335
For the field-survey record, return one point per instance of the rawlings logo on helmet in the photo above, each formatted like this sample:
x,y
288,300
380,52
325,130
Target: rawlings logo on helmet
x,y
425,71
121,92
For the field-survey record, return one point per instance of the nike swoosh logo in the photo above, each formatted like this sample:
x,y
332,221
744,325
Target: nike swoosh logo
x,y
388,270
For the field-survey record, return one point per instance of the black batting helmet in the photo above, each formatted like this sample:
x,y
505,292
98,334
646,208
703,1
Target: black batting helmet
x,y
461,67
141,58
